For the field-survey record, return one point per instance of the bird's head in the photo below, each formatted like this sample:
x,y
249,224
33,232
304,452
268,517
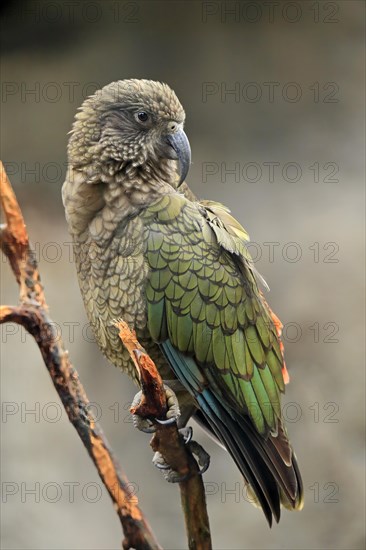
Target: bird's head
x,y
130,126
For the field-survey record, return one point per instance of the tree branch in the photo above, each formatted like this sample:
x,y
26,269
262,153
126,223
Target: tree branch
x,y
32,314
169,443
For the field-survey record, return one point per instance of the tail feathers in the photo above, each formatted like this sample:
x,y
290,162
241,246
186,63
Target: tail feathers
x,y
283,458
298,502
281,443
245,455
268,465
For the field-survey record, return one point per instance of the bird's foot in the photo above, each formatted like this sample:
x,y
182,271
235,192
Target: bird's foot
x,y
149,426
195,448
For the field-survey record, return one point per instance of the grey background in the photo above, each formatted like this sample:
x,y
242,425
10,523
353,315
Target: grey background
x,y
53,48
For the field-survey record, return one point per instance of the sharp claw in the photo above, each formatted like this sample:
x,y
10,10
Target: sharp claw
x,y
204,468
180,479
167,422
202,457
160,466
150,430
187,434
173,412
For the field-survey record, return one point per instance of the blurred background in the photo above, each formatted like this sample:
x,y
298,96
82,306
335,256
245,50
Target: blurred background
x,y
274,97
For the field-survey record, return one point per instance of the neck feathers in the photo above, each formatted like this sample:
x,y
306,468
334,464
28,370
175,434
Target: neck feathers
x,y
113,192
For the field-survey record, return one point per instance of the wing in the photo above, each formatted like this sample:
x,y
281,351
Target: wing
x,y
217,332
203,296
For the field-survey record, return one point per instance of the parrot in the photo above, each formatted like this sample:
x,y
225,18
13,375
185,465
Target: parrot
x,y
178,271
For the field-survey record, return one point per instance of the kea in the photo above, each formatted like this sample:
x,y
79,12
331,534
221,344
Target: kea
x,y
178,271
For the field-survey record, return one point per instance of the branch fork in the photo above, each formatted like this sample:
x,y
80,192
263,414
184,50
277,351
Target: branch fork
x,y
32,314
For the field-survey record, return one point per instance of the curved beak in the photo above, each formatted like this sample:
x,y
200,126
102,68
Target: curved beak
x,y
179,142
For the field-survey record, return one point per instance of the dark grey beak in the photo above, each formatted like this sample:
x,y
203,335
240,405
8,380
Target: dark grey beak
x,y
179,142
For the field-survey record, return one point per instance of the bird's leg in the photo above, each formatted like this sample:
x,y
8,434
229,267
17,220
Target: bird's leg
x,y
203,458
172,415
175,385
195,448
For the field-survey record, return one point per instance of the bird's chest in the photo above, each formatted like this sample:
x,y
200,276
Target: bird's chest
x,y
112,273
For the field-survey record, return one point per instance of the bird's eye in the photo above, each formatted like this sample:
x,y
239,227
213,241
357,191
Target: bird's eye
x,y
142,116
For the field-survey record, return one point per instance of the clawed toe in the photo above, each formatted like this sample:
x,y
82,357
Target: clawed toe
x,y
173,412
203,459
169,474
167,422
186,433
143,424
148,425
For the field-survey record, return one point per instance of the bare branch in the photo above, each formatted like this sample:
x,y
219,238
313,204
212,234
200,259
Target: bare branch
x,y
170,443
32,314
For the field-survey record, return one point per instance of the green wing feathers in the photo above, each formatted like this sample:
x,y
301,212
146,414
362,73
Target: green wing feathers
x,y
202,295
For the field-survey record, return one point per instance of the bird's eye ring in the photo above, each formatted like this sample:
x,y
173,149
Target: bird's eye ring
x,y
142,116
